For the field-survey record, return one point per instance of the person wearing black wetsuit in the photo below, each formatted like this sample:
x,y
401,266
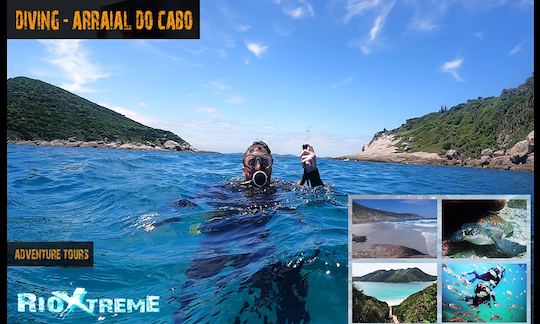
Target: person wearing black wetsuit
x,y
493,275
281,286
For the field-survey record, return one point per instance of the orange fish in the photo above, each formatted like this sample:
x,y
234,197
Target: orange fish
x,y
454,306
457,319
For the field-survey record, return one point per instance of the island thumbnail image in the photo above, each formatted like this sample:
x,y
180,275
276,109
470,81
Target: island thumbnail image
x,y
394,292
484,292
485,228
394,228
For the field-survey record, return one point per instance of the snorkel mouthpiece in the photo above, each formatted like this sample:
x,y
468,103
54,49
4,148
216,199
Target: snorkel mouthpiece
x,y
259,178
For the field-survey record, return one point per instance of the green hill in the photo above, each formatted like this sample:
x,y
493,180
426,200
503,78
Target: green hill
x,y
419,307
367,309
493,122
364,214
396,276
37,110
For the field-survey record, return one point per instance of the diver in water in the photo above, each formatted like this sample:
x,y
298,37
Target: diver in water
x,y
258,161
281,286
482,294
492,275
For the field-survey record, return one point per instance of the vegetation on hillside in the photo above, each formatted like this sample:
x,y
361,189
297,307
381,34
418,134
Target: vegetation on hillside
x,y
40,111
367,309
419,307
493,122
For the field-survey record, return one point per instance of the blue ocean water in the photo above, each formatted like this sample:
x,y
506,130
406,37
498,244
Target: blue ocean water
x,y
508,302
220,250
391,293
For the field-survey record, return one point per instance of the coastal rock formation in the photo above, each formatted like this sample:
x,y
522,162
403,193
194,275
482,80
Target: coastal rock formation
x,y
384,148
389,251
102,144
485,132
359,238
520,151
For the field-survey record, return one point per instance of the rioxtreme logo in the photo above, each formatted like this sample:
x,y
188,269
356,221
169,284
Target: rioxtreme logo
x,y
61,303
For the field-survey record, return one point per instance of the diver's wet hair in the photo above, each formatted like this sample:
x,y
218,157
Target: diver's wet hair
x,y
260,144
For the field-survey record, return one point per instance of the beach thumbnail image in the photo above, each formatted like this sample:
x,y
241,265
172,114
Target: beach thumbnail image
x,y
394,228
484,228
394,292
484,292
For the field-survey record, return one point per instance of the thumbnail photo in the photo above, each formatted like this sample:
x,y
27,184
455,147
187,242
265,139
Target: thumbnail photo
x,y
484,292
485,228
394,228
394,292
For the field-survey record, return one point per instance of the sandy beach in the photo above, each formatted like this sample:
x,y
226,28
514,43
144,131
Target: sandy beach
x,y
386,233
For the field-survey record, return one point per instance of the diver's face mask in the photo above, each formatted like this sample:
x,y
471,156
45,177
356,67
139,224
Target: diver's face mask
x,y
264,161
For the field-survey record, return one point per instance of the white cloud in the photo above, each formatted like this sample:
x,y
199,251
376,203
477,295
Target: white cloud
x,y
343,82
138,117
256,48
427,15
367,45
219,88
142,104
297,9
517,48
73,60
283,30
208,110
358,7
452,68
424,25
479,35
226,136
377,25
235,100
242,28
151,46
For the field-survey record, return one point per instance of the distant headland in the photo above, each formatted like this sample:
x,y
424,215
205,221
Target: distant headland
x,y
39,113
493,132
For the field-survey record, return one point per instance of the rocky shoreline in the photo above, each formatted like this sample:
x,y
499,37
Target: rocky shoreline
x,y
384,148
169,145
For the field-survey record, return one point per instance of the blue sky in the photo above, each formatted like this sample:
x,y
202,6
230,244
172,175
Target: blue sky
x,y
423,207
272,69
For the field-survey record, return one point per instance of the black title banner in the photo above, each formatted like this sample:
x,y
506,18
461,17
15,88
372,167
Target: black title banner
x,y
80,19
51,254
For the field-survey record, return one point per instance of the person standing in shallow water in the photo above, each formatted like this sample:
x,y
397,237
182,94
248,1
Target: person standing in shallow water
x,y
258,161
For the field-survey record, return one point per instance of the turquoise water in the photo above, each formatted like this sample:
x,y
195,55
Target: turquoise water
x,y
510,294
219,247
392,293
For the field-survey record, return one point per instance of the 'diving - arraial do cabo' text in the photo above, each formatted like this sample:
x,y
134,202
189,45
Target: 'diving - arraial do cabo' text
x,y
95,20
